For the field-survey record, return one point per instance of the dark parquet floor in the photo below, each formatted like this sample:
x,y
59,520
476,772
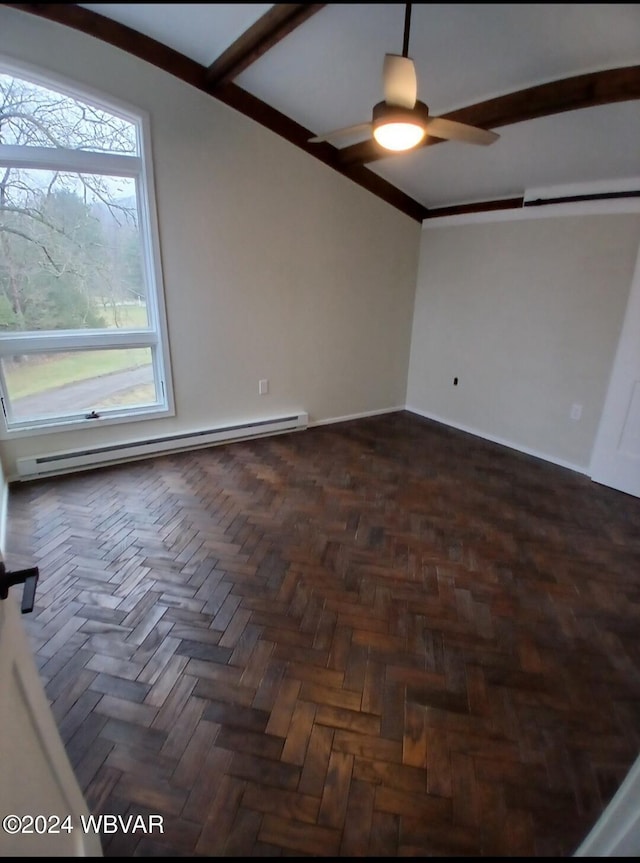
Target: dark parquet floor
x,y
377,638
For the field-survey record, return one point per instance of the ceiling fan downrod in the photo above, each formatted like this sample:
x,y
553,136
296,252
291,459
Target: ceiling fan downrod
x,y
407,28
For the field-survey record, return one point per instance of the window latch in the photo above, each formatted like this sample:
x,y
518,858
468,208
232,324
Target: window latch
x,y
28,577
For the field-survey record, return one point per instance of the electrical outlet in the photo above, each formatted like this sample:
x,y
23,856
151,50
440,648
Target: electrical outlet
x,y
576,411
263,387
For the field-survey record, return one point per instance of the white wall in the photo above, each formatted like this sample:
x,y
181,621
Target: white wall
x,y
277,267
526,312
274,265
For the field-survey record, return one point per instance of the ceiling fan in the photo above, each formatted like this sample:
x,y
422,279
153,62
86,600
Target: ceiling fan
x,y
402,121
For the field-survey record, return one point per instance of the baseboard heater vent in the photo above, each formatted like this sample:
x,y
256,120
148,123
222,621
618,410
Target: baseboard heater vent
x,y
63,462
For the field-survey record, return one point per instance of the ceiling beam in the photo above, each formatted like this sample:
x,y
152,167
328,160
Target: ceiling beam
x,y
568,94
476,207
120,36
267,31
583,91
257,110
195,74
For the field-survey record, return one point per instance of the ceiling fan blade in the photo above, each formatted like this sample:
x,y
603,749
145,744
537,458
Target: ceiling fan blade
x,y
451,130
399,81
340,133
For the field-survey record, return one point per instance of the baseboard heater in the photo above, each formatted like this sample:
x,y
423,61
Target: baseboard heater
x,y
32,467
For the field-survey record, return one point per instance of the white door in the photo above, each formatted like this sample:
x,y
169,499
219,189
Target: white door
x,y
36,777
617,832
615,460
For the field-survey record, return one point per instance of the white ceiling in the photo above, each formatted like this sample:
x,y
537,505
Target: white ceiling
x,y
327,74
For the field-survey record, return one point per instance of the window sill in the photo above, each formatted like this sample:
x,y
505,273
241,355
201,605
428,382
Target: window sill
x,y
76,423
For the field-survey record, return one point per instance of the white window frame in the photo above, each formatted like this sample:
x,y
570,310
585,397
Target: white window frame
x,y
155,335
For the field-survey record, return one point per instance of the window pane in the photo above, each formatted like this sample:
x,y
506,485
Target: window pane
x,y
33,115
77,265
78,382
70,252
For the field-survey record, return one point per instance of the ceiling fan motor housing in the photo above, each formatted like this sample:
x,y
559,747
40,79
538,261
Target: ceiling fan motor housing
x,y
397,127
384,113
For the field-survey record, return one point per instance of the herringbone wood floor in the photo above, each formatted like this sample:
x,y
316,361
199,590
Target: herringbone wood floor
x,y
376,638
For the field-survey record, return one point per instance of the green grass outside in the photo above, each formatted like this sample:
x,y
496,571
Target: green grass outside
x,y
127,316
40,373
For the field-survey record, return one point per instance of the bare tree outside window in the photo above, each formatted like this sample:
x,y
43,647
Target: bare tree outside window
x,y
71,256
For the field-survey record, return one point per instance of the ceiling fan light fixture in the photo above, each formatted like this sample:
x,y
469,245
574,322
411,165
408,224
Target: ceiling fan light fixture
x,y
399,136
396,128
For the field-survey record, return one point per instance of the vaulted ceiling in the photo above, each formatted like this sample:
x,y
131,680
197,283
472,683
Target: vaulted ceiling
x,y
560,83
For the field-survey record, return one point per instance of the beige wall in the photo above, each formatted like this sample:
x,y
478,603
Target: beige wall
x,y
274,265
277,267
527,314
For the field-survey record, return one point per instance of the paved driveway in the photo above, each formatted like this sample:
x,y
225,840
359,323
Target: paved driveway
x,y
82,395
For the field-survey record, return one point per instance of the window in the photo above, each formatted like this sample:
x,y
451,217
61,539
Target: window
x,y
82,330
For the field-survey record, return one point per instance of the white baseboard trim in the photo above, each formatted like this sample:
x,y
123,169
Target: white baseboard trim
x,y
4,490
502,441
358,416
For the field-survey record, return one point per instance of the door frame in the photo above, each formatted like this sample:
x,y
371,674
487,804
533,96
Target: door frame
x,y
601,467
617,831
39,732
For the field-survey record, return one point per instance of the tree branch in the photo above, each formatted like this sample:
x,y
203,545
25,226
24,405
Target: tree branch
x,y
7,230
